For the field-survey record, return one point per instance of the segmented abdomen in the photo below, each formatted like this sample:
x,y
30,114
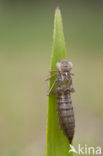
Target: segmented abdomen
x,y
66,115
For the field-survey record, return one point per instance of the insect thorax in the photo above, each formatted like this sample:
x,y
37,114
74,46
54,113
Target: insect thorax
x,y
64,79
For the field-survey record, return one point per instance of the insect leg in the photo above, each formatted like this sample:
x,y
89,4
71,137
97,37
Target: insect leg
x,y
50,77
70,89
52,86
57,90
72,74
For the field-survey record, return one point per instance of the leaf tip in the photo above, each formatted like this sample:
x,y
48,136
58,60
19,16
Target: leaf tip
x,y
57,8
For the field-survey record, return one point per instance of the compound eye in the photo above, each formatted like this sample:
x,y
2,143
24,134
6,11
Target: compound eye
x,y
71,65
58,65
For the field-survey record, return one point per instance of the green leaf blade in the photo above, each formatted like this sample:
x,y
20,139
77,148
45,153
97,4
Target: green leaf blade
x,y
57,143
59,50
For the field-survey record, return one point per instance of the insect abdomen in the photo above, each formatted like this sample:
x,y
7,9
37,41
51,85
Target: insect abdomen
x,y
66,115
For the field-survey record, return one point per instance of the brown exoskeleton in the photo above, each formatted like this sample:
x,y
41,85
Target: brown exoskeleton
x,y
64,90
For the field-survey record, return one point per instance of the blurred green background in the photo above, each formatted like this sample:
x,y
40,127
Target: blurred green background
x,y
26,29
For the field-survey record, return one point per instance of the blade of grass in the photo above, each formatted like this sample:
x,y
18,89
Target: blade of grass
x,y
57,143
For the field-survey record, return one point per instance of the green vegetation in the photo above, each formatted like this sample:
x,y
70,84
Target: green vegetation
x,y
57,143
